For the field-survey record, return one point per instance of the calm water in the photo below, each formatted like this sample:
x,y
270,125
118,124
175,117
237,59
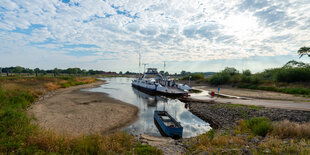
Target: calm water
x,y
120,88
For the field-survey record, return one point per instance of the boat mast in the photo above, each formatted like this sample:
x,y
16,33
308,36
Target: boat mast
x,y
164,67
139,63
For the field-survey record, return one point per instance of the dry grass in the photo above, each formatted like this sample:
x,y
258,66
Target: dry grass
x,y
52,86
92,144
85,79
217,144
287,129
276,145
285,137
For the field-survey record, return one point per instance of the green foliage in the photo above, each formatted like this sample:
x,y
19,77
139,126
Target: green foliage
x,y
230,70
146,150
220,78
296,64
259,125
304,51
293,75
14,125
303,91
246,72
211,134
194,77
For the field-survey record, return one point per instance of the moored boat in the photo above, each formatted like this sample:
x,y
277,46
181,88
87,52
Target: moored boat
x,y
153,82
167,124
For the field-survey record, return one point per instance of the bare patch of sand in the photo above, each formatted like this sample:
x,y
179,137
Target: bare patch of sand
x,y
75,112
256,94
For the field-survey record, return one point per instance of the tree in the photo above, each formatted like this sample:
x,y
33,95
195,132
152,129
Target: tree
x,y
296,64
230,70
246,72
304,51
0,71
161,72
120,73
36,70
18,69
56,71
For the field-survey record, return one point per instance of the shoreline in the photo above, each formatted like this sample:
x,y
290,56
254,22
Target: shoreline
x,y
72,111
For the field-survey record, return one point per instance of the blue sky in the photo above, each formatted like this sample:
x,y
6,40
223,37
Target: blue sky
x,y
196,35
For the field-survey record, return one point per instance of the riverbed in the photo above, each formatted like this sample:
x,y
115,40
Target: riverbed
x,y
121,89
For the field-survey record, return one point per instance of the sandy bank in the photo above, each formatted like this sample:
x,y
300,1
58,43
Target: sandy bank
x,y
74,112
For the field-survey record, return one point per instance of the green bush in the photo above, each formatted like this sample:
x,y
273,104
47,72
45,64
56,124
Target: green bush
x,y
220,78
302,91
246,72
194,77
293,75
259,125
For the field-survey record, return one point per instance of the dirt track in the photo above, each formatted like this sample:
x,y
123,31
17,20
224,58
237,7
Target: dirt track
x,y
261,98
75,112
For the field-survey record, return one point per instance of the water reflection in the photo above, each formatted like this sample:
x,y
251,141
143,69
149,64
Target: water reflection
x,y
120,88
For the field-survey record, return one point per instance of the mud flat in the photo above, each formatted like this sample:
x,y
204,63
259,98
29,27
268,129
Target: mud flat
x,y
74,111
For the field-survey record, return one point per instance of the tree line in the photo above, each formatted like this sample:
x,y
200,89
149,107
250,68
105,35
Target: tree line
x,y
55,71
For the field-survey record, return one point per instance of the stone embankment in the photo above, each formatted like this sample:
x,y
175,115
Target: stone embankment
x,y
224,116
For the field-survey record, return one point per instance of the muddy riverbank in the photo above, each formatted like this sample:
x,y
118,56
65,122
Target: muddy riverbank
x,y
74,111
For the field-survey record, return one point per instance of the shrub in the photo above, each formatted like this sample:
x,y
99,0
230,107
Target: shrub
x,y
194,77
259,125
246,72
293,75
220,78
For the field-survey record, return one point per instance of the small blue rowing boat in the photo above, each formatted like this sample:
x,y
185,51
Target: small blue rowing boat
x,y
168,125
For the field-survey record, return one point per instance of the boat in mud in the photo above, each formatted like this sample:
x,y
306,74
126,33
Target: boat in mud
x,y
167,125
154,83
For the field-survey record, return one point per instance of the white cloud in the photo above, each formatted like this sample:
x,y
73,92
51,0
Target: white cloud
x,y
162,30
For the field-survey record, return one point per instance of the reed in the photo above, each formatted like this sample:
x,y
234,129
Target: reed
x,y
287,129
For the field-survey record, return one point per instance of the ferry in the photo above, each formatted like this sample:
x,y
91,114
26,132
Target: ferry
x,y
155,83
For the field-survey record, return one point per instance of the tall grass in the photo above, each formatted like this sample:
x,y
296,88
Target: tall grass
x,y
287,129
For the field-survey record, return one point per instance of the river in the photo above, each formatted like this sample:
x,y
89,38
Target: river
x,y
121,89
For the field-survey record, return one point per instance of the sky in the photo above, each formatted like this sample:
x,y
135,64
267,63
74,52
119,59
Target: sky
x,y
191,35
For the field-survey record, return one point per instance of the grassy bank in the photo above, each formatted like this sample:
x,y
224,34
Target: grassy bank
x,y
255,136
18,135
